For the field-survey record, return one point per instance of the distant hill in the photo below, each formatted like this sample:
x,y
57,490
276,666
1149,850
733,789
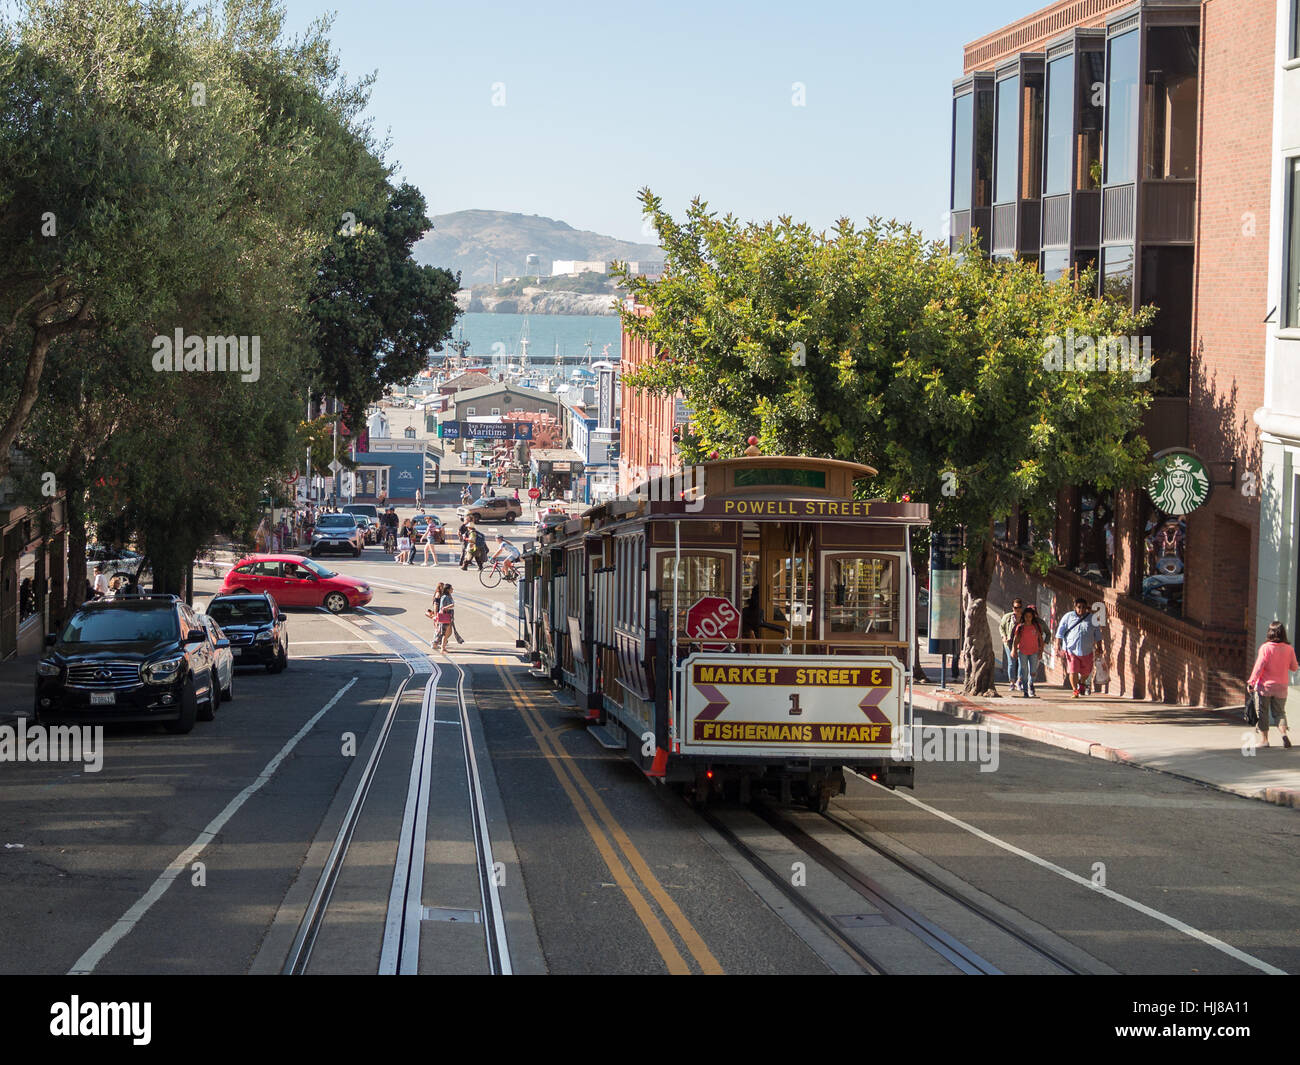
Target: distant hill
x,y
472,241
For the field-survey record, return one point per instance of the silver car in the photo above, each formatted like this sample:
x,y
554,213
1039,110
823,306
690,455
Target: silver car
x,y
222,657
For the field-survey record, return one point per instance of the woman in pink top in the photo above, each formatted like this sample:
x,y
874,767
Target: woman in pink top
x,y
1270,678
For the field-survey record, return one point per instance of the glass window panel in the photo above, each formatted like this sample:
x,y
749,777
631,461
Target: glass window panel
x,y
1091,110
1007,147
1117,273
695,575
1031,175
963,132
1122,110
1059,149
1167,283
1169,101
1056,261
861,595
1292,320
983,147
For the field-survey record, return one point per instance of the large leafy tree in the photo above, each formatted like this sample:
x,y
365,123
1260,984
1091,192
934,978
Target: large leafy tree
x,y
871,344
378,312
194,166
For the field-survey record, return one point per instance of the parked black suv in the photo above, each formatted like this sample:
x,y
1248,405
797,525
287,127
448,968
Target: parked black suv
x,y
129,659
256,627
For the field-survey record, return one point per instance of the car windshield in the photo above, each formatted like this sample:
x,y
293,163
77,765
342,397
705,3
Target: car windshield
x,y
239,611
122,625
317,568
336,521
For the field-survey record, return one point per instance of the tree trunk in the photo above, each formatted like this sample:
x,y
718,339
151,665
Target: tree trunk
x,y
977,648
78,586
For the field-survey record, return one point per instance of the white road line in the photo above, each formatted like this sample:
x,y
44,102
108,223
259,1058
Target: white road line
x,y
321,643
92,957
1164,918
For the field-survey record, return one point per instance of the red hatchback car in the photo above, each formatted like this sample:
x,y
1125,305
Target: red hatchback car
x,y
294,580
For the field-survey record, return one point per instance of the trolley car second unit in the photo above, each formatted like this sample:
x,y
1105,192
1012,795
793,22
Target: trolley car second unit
x,y
748,624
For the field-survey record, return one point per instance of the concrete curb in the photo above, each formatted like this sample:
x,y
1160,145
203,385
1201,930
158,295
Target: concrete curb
x,y
963,708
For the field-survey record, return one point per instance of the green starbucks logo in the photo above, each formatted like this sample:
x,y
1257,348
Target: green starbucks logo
x,y
1180,484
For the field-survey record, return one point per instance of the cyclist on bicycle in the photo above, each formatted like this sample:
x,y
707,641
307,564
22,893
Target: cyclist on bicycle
x,y
390,529
505,547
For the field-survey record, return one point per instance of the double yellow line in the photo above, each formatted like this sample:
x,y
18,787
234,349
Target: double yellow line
x,y
613,840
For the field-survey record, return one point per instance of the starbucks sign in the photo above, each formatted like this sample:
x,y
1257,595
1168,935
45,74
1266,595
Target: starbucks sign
x,y
1181,482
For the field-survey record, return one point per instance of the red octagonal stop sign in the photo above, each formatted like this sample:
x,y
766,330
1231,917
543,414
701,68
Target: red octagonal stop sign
x,y
713,618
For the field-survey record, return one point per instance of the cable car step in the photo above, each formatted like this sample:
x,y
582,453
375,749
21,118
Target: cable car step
x,y
608,736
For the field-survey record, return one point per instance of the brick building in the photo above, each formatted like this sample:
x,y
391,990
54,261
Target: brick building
x,y
647,422
1139,137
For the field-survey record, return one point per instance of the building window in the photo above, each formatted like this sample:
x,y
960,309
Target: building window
x,y
1292,300
1091,82
496,410
1164,536
1096,535
1117,273
1169,101
1295,29
963,150
1031,174
1167,282
983,147
1006,160
470,411
1122,109
1055,262
1059,148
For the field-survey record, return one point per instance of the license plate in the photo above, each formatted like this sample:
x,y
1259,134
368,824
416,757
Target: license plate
x,y
102,698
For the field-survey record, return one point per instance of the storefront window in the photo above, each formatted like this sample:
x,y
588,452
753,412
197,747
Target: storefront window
x,y
861,595
1122,110
1059,148
29,599
1164,537
983,147
1096,542
1007,159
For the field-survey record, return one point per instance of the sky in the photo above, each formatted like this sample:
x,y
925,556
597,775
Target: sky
x,y
818,110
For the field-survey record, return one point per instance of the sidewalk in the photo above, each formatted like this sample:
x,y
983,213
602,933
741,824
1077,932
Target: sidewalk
x,y
1204,745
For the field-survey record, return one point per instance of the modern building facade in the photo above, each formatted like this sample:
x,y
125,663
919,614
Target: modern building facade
x,y
1278,419
1138,137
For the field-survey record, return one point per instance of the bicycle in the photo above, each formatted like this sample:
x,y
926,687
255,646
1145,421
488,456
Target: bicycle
x,y
490,578
390,540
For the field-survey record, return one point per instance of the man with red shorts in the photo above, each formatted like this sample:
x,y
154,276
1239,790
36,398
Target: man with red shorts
x,y
1077,636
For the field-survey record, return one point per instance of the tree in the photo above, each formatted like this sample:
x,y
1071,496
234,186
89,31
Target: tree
x,y
377,311
873,345
193,167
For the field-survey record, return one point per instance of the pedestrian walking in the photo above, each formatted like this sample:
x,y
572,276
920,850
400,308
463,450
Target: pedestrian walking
x,y
434,613
99,587
428,545
1270,679
447,611
1009,657
403,545
1029,637
1078,637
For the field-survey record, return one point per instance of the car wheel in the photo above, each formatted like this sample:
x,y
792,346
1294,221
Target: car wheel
x,y
336,602
189,712
229,692
237,591
356,553
208,710
282,662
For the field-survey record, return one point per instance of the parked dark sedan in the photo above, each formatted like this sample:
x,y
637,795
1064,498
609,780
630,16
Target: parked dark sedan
x,y
256,627
139,658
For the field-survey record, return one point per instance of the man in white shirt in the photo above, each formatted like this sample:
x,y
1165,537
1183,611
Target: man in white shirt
x,y
100,584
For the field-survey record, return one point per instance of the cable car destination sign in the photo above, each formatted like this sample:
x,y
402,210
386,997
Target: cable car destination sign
x,y
829,704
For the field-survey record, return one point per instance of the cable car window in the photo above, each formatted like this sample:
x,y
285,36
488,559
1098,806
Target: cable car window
x,y
696,575
861,595
763,478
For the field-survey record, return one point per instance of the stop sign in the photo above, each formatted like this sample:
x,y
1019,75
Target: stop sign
x,y
534,493
713,618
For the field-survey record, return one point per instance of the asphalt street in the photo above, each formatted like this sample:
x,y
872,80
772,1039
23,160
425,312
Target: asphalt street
x,y
198,853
